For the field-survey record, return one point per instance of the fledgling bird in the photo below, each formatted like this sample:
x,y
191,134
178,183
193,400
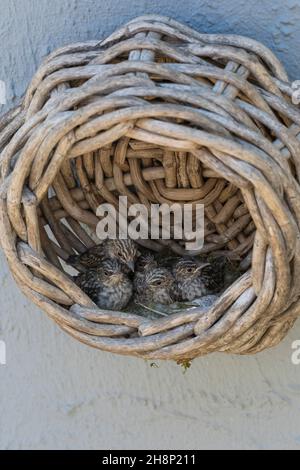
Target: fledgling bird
x,y
123,250
155,287
189,283
144,263
107,285
214,274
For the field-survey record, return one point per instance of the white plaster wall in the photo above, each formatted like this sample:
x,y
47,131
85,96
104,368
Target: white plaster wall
x,y
56,393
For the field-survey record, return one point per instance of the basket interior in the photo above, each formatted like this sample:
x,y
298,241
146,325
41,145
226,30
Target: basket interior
x,y
145,173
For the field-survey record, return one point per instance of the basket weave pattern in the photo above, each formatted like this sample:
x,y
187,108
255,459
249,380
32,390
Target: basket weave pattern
x,y
161,114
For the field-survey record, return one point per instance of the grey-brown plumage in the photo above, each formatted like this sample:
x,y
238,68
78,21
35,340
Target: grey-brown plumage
x,y
155,287
107,285
125,251
144,264
195,278
213,275
189,284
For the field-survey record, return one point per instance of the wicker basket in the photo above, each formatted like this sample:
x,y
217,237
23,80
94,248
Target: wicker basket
x,y
160,113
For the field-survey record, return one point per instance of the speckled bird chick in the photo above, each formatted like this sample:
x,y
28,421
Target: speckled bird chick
x,y
189,283
125,251
144,264
107,285
156,287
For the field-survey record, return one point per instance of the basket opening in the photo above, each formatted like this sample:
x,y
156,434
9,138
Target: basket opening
x,y
146,173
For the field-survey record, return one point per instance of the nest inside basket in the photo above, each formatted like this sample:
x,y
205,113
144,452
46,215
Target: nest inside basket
x,y
159,113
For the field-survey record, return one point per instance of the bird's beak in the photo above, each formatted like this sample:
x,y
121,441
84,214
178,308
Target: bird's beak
x,y
130,265
203,265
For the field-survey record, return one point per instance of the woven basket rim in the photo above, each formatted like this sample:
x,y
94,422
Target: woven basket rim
x,y
95,104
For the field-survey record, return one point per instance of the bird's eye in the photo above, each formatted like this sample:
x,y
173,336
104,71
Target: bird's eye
x,y
106,273
189,270
158,283
120,253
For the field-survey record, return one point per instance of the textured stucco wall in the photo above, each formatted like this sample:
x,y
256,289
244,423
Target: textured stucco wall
x,y
57,393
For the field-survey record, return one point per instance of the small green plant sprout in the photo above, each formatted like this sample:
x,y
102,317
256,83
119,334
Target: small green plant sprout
x,y
185,364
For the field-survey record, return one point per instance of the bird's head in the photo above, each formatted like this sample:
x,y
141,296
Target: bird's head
x,y
187,269
110,272
145,262
125,251
158,278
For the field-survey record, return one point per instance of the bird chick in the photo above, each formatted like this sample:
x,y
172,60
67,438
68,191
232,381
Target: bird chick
x,y
156,287
189,283
214,275
143,264
125,251
107,285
